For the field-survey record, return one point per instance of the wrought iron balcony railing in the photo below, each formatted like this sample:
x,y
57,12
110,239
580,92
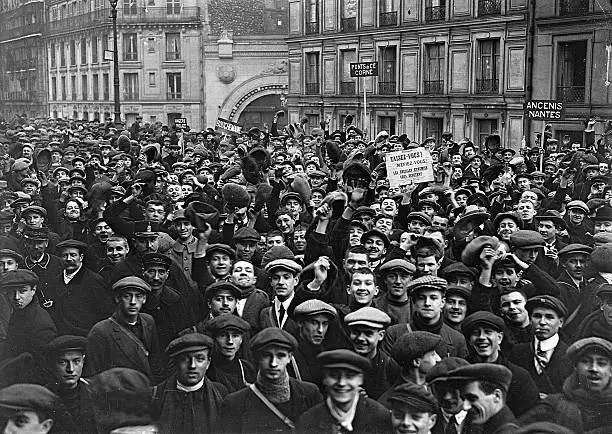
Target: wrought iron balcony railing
x,y
435,13
348,24
387,19
174,95
386,88
487,85
573,7
433,87
570,93
489,7
312,27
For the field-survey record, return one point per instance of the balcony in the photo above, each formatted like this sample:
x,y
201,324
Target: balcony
x,y
347,88
130,96
570,93
24,95
487,85
387,19
435,13
21,31
173,95
489,7
312,88
386,87
173,56
573,8
312,28
348,24
433,87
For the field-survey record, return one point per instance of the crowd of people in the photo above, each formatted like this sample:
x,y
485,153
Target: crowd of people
x,y
155,279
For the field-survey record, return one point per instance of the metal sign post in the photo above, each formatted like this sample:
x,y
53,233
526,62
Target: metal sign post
x,y
363,70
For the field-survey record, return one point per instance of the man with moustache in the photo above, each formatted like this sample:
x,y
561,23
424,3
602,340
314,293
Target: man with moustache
x,y
574,260
251,300
345,409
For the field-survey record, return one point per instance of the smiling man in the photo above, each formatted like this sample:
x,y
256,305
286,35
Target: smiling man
x,y
574,260
284,277
413,409
396,274
377,243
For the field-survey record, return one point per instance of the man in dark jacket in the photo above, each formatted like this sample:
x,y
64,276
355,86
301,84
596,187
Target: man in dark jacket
x,y
275,402
345,409
413,409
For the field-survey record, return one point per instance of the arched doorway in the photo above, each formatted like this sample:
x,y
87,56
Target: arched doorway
x,y
260,111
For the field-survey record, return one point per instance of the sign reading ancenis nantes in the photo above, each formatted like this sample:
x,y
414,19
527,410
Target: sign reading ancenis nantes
x,y
544,110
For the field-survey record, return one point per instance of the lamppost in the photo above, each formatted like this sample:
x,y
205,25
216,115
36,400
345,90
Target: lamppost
x,y
113,4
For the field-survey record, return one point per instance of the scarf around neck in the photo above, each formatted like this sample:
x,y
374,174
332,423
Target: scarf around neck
x,y
343,418
277,391
420,324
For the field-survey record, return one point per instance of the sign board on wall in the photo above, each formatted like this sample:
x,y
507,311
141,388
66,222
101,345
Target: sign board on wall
x,y
544,110
228,126
409,167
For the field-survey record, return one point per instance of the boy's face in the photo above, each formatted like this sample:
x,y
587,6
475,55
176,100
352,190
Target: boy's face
x,y
505,278
365,339
363,288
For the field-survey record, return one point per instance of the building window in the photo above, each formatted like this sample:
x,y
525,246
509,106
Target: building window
x,y
62,55
83,51
387,15
435,10
84,87
174,85
94,49
313,120
486,127
104,47
73,87
349,15
487,80
433,128
173,46
53,61
173,7
130,85
434,69
573,7
489,7
312,16
312,73
386,84
130,46
72,53
53,88
571,71
105,87
347,85
130,7
63,82
387,123
96,87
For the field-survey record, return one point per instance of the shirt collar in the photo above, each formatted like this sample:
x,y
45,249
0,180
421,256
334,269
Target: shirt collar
x,y
607,276
69,277
549,344
286,303
183,388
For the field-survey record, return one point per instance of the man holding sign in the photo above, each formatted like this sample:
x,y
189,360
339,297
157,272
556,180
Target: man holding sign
x,y
410,166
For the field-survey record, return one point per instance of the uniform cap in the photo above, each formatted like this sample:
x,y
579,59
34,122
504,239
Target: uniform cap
x,y
547,301
224,322
345,359
155,258
145,229
525,239
490,372
426,283
368,316
416,397
413,345
397,264
599,345
132,282
29,397
273,336
189,343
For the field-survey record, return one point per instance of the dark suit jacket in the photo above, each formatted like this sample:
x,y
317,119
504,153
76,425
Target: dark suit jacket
x,y
267,318
552,378
370,417
256,302
110,345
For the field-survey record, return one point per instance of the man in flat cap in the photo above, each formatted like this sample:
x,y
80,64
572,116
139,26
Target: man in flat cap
x,y
81,297
574,260
585,404
484,332
345,408
284,277
128,338
9,261
275,402
484,387
36,218
413,409
456,305
40,261
396,275
30,326
544,358
188,402
219,259
187,245
313,318
65,359
30,408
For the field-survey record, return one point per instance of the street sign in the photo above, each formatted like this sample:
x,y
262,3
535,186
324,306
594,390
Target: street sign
x,y
544,110
108,55
364,69
228,126
409,167
180,123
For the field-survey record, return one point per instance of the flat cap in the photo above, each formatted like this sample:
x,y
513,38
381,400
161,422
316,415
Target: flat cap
x,y
188,343
368,316
39,234
18,277
34,209
547,301
439,372
575,248
344,359
155,258
224,322
461,291
427,283
416,397
604,290
314,307
66,343
457,268
598,345
284,264
418,215
247,234
376,233
223,248
8,253
216,287
600,258
525,239
397,264
74,244
577,204
413,345
273,336
29,397
603,213
491,372
145,229
132,282
482,318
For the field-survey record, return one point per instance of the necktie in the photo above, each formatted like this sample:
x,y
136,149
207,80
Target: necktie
x,y
541,358
451,428
281,315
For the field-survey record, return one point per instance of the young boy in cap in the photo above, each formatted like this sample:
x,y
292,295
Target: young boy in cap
x,y
275,402
284,277
188,402
230,335
585,404
413,409
345,408
544,358
29,408
128,338
366,329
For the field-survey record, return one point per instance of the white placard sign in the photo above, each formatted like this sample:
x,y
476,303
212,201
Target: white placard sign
x,y
409,167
